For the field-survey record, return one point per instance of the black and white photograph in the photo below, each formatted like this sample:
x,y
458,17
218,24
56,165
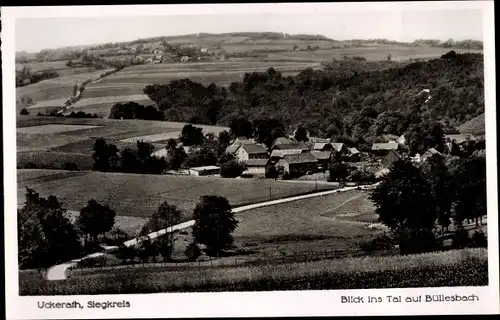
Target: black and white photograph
x,y
176,151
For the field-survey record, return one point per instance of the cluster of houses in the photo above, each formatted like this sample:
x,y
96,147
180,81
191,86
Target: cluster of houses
x,y
288,157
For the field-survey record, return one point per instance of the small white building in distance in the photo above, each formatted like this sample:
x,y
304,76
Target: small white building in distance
x,y
204,171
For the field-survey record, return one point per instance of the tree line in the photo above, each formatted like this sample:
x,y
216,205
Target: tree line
x,y
47,236
412,200
205,150
358,100
25,76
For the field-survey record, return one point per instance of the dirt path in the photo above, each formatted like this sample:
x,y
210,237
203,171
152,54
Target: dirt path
x,y
58,272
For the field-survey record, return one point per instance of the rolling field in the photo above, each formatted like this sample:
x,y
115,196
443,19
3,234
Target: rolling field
x,y
304,226
139,195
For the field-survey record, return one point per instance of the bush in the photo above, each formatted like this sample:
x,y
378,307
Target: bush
x,y
479,239
24,112
193,252
232,169
381,242
460,238
417,241
70,166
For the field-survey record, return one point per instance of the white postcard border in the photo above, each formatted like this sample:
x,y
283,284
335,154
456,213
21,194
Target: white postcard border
x,y
283,303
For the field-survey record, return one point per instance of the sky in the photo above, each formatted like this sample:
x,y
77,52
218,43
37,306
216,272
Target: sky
x,y
35,34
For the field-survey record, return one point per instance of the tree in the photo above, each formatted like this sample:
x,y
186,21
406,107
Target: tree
x,y
193,252
232,169
171,145
404,203
191,135
95,219
301,134
129,161
126,253
268,130
470,196
166,216
214,223
45,234
339,171
24,112
241,127
176,158
442,189
105,155
224,139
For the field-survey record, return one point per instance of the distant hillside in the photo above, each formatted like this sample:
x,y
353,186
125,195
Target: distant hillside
x,y
235,43
353,98
474,126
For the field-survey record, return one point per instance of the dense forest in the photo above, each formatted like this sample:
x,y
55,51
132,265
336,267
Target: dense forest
x,y
355,99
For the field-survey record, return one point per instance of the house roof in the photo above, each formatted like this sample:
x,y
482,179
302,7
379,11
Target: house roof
x,y
256,162
282,140
291,145
299,158
321,155
385,146
353,150
281,153
254,148
232,148
204,168
394,153
319,145
433,151
459,138
337,146
160,153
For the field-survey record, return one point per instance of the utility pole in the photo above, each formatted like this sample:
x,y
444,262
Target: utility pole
x,y
270,196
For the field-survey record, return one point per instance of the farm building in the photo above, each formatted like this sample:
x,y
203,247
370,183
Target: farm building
x,y
185,59
203,50
278,154
251,151
458,139
429,153
322,146
297,164
204,171
237,143
339,147
353,155
391,157
323,157
291,145
256,166
281,140
383,148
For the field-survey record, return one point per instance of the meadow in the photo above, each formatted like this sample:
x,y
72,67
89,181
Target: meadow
x,y
140,195
467,267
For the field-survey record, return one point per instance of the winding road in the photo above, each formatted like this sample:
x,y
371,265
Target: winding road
x,y
58,272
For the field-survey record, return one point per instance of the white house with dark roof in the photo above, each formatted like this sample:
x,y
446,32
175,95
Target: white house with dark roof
x,y
338,147
251,151
256,166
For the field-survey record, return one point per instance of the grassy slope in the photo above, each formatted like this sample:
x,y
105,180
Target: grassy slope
x,y
467,267
474,126
140,195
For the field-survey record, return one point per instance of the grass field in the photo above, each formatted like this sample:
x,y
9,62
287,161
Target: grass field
x,y
140,195
468,267
474,126
54,160
304,226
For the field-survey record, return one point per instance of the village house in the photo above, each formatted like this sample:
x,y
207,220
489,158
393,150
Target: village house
x,y
401,140
430,153
339,147
185,58
276,155
458,139
391,157
203,50
204,171
384,148
160,153
297,164
281,140
353,155
231,149
291,145
251,151
258,167
322,146
324,158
